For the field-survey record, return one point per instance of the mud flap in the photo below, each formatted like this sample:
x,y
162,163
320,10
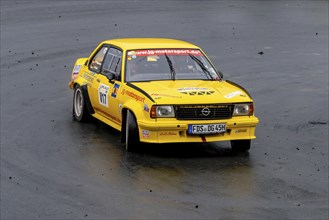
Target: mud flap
x,y
203,138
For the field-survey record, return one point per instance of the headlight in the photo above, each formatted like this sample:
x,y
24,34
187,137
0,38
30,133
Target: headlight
x,y
243,109
162,111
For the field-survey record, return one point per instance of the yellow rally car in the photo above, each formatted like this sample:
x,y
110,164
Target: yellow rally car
x,y
161,91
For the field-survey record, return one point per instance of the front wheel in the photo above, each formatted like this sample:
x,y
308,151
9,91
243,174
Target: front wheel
x,y
240,145
132,134
80,111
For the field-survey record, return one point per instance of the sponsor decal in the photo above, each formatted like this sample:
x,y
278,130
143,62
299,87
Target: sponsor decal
x,y
76,69
133,95
231,95
108,115
146,108
166,95
167,133
199,93
192,89
146,133
88,78
115,90
91,73
102,94
131,55
75,72
162,52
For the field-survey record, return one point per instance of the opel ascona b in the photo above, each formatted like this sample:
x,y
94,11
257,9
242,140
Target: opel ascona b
x,y
161,91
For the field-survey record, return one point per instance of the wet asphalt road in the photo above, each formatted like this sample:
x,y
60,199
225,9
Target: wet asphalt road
x,y
55,168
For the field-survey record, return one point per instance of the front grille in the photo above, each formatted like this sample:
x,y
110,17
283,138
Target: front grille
x,y
204,112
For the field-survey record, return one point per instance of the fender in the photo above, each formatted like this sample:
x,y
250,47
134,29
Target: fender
x,y
140,90
77,69
131,106
87,100
240,87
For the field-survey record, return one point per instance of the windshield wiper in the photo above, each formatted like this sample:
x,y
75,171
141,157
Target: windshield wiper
x,y
172,70
202,66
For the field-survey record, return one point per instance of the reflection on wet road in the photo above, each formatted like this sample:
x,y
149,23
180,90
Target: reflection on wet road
x,y
181,175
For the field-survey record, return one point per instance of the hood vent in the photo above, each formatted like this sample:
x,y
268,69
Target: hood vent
x,y
199,93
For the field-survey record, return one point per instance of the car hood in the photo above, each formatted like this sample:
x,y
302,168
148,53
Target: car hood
x,y
193,92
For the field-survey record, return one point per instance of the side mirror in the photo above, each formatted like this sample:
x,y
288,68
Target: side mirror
x,y
110,76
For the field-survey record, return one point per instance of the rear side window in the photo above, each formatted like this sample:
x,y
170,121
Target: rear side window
x,y
96,62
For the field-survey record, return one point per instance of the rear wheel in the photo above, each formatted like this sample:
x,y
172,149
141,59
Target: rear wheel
x,y
132,135
80,111
240,145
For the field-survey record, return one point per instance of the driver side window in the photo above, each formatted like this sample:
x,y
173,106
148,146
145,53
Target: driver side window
x,y
112,63
97,60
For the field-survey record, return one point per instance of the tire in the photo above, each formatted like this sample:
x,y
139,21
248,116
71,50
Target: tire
x,y
240,145
131,133
80,111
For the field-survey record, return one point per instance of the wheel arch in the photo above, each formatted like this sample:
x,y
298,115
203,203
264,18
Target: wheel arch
x,y
84,89
123,124
124,119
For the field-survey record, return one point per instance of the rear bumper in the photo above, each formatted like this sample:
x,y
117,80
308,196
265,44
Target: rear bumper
x,y
237,128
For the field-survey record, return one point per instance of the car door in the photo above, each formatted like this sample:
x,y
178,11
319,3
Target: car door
x,y
108,84
111,70
93,73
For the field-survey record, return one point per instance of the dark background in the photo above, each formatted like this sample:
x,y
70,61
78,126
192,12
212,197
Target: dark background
x,y
55,168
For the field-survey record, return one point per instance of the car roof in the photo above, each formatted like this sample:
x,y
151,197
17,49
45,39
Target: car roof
x,y
149,43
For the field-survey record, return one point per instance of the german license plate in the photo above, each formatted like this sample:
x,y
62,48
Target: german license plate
x,y
207,129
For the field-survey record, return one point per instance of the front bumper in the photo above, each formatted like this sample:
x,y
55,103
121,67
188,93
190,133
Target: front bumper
x,y
237,128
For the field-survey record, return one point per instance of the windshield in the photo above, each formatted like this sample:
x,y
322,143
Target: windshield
x,y
168,64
